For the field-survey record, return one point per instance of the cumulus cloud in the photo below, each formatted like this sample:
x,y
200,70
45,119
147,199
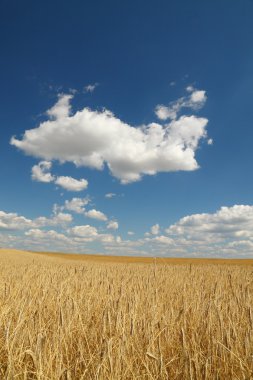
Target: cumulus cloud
x,y
161,240
41,172
225,229
84,231
71,184
51,234
194,101
13,221
57,219
155,229
198,97
76,205
87,233
113,225
95,214
95,138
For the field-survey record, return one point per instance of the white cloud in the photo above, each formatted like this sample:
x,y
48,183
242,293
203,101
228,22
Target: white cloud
x,y
162,240
130,233
92,139
190,88
164,113
155,229
52,235
113,225
225,233
41,172
95,214
217,232
58,219
210,141
194,101
87,233
110,195
76,205
90,87
199,97
84,231
61,109
71,184
13,221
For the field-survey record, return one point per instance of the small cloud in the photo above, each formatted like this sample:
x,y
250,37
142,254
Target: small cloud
x,y
190,88
155,229
84,231
91,87
210,141
194,101
41,172
163,240
71,184
198,96
130,233
173,83
113,225
76,205
110,195
73,91
95,214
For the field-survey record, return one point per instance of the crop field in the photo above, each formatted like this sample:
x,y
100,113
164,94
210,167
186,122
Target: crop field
x,y
83,317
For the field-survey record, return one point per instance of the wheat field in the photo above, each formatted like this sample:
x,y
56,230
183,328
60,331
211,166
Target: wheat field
x,y
66,317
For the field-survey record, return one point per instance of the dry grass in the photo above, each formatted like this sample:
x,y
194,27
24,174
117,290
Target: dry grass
x,y
103,319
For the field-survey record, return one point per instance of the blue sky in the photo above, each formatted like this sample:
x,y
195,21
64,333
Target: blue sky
x,y
148,100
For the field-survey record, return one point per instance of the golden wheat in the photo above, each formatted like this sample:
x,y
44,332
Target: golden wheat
x,y
86,319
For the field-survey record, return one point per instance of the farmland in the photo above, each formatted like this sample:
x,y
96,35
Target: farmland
x,y
92,317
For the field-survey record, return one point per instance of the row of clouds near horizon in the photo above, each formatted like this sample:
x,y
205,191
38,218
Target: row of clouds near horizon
x,y
227,232
98,139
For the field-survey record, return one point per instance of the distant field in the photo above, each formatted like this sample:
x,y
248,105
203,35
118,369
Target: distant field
x,y
148,260
95,317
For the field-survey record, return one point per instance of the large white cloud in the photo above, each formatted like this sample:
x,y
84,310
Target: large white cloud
x,y
92,138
